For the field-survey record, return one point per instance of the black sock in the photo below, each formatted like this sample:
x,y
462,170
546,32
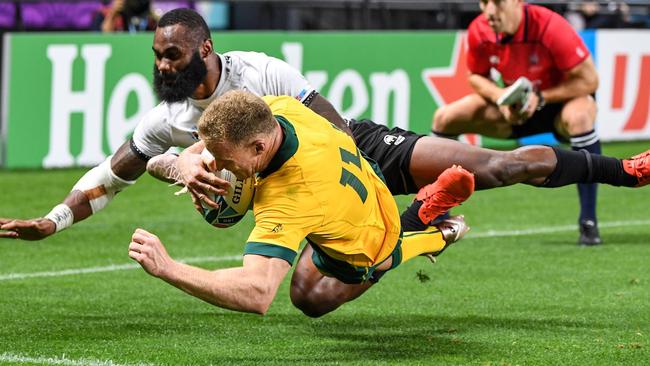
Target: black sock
x,y
410,219
573,167
610,170
587,192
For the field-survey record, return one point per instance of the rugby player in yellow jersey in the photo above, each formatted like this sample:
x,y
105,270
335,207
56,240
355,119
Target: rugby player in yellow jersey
x,y
312,183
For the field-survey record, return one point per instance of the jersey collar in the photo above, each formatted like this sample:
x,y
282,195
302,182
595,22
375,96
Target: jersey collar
x,y
287,149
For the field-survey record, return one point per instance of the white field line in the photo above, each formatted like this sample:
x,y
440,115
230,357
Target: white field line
x,y
551,229
471,235
63,360
110,268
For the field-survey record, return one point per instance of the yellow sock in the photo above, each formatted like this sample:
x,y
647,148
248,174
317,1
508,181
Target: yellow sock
x,y
415,243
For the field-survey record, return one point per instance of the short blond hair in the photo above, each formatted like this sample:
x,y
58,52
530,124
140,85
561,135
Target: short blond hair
x,y
235,117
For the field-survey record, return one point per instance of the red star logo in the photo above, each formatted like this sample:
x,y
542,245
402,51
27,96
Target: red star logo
x,y
448,84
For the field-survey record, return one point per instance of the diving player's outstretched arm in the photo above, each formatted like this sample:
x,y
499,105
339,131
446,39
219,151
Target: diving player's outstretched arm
x,y
249,288
89,195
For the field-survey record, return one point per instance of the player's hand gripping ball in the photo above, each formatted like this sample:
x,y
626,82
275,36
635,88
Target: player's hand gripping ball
x,y
234,205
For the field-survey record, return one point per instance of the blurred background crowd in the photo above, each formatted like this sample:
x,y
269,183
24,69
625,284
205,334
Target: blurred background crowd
x,y
140,15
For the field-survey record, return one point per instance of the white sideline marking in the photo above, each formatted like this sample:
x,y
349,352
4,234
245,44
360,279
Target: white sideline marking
x,y
471,235
111,268
63,360
551,229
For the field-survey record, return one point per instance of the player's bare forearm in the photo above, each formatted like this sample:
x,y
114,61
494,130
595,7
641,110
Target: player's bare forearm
x,y
163,167
580,81
79,204
485,87
326,110
250,288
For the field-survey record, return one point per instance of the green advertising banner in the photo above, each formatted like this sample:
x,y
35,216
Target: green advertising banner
x,y
72,99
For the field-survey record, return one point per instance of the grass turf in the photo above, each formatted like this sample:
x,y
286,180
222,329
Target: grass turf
x,y
502,296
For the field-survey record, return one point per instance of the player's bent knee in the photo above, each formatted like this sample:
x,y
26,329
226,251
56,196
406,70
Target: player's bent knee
x,y
311,302
435,124
580,122
440,120
313,311
305,303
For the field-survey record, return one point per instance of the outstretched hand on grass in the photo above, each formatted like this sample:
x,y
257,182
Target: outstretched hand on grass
x,y
31,229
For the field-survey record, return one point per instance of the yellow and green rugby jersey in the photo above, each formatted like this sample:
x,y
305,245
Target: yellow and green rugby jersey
x,y
318,186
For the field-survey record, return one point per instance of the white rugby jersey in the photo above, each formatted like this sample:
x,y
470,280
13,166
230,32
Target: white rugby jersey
x,y
174,124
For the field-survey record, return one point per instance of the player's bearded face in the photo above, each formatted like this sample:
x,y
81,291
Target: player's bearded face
x,y
176,86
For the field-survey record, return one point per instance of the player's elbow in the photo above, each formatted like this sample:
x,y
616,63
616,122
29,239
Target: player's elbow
x,y
260,308
255,306
262,297
591,83
594,84
588,77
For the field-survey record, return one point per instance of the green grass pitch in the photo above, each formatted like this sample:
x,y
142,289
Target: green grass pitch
x,y
517,291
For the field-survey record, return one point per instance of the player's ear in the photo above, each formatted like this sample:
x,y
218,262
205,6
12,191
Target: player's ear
x,y
206,48
260,147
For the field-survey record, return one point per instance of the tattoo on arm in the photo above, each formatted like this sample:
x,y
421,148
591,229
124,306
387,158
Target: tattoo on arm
x,y
163,167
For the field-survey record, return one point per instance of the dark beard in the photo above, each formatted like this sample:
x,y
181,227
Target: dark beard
x,y
180,85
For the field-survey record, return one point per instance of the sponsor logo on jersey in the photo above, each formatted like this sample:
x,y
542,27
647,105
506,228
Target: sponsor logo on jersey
x,y
393,140
277,228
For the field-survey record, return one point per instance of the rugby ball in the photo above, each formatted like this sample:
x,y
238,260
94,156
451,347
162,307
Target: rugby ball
x,y
234,205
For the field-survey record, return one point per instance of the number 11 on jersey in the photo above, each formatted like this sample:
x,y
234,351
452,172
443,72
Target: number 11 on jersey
x,y
348,178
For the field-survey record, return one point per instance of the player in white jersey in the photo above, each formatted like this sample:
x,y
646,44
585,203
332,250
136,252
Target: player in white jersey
x,y
188,74
174,123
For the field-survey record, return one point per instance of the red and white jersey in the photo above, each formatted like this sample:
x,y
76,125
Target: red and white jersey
x,y
544,47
